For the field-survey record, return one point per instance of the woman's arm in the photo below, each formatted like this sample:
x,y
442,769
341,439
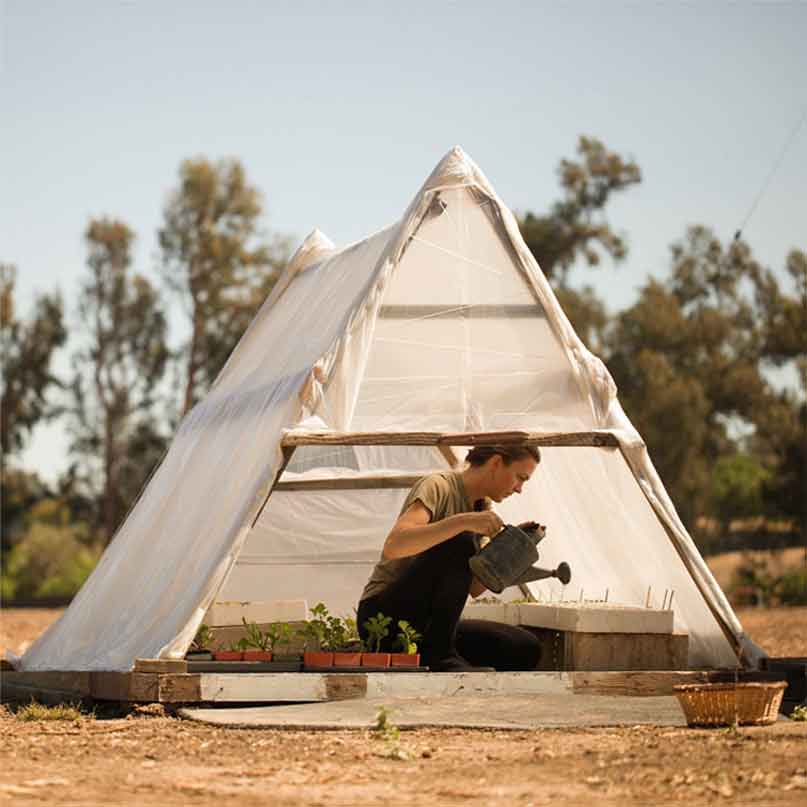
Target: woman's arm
x,y
412,532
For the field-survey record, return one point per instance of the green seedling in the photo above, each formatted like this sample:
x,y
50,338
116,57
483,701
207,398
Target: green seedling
x,y
377,628
408,638
239,645
277,635
256,637
387,730
315,630
203,638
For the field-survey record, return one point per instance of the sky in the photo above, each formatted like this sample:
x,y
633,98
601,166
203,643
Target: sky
x,y
339,111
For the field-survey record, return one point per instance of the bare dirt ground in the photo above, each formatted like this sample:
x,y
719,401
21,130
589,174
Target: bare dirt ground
x,y
147,758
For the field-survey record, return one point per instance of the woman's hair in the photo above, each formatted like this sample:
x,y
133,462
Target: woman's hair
x,y
479,455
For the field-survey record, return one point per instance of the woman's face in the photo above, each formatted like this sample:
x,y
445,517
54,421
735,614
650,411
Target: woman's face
x,y
508,479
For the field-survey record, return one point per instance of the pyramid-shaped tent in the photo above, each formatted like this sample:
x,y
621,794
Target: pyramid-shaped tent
x,y
367,366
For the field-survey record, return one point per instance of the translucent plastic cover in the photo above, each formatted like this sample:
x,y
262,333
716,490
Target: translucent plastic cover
x,y
442,322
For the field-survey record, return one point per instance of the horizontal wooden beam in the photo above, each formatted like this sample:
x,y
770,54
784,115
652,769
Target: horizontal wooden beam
x,y
503,438
351,483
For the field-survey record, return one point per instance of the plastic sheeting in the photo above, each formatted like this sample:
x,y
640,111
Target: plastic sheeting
x,y
440,322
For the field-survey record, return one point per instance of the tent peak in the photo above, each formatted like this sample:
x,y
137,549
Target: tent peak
x,y
454,169
313,249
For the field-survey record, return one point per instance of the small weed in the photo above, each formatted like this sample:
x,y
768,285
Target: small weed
x,y
391,734
799,713
387,730
36,711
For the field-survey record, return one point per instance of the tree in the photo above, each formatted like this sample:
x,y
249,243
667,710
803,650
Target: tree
x,y
737,487
116,371
576,226
686,359
27,351
782,426
214,260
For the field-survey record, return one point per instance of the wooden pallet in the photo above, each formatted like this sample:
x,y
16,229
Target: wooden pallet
x,y
155,681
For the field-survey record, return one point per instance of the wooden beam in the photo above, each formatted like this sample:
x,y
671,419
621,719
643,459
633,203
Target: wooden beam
x,y
160,665
351,483
122,686
288,451
503,438
180,688
449,455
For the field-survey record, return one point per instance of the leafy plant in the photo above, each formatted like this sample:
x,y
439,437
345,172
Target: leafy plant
x,y
315,630
278,634
203,638
377,628
238,645
408,638
255,637
386,730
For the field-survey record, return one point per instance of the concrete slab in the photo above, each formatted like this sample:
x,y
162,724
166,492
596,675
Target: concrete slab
x,y
489,712
576,617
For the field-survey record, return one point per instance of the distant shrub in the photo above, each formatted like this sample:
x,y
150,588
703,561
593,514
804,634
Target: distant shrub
x,y
791,588
49,561
754,584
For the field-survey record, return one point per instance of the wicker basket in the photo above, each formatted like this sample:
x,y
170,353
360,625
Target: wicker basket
x,y
744,704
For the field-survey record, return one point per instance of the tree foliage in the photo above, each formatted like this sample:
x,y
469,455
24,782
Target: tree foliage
x,y
116,372
576,226
27,352
213,258
686,360
781,434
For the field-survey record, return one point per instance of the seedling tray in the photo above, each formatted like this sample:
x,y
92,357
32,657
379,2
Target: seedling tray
x,y
244,666
364,669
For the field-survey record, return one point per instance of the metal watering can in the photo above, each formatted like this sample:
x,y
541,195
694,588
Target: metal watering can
x,y
507,560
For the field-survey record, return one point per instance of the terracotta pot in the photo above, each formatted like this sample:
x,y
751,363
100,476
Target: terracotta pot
x,y
228,655
318,659
405,660
375,659
257,655
344,659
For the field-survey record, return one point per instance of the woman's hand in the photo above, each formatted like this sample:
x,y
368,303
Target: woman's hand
x,y
484,523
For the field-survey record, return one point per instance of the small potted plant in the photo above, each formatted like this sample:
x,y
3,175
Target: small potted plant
x,y
280,636
315,633
235,652
258,644
200,646
407,641
377,628
344,641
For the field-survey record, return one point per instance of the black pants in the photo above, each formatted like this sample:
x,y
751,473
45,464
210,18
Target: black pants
x,y
431,596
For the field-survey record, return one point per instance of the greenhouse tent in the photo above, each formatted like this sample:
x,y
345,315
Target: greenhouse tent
x,y
367,366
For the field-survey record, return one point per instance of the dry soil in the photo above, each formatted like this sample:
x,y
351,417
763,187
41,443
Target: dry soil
x,y
146,757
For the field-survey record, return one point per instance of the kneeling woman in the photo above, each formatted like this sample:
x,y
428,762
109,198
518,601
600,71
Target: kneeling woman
x,y
423,574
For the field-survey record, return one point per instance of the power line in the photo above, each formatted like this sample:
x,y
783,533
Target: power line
x,y
773,171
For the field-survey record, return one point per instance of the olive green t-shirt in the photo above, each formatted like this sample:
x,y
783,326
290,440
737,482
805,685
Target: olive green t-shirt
x,y
443,495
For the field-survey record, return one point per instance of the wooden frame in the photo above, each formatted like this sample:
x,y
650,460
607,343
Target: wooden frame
x,y
504,438
176,687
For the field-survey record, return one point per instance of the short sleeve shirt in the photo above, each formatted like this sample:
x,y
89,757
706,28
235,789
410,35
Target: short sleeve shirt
x,y
443,495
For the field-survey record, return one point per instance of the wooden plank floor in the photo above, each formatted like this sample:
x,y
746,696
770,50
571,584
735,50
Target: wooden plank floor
x,y
178,687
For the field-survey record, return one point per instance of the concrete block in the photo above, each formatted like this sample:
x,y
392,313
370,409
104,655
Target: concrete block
x,y
595,618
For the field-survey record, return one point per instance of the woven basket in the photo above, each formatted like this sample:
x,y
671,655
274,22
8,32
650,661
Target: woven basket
x,y
744,704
